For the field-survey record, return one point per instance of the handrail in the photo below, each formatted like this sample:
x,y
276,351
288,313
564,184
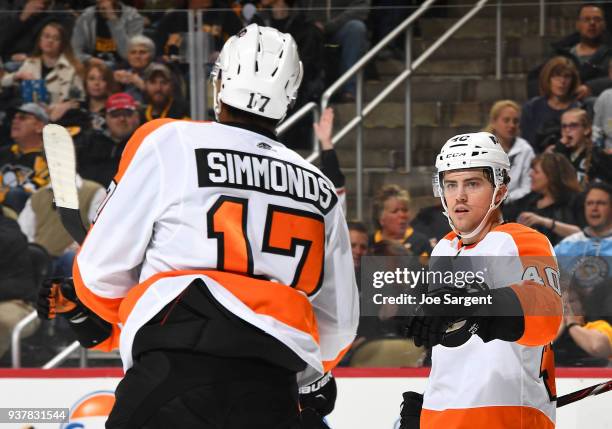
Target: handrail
x,y
16,336
303,111
62,356
410,67
373,52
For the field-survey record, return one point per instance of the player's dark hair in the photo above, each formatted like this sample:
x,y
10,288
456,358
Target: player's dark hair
x,y
248,117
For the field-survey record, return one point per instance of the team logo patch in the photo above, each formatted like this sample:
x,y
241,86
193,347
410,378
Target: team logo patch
x,y
263,145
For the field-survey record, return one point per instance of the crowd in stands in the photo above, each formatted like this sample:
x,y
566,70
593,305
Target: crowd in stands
x,y
104,70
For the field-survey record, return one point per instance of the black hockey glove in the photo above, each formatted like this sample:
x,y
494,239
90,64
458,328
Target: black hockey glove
x,y
319,396
58,297
410,411
451,322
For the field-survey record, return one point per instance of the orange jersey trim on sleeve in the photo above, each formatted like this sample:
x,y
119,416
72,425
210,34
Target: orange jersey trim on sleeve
x,y
541,304
494,417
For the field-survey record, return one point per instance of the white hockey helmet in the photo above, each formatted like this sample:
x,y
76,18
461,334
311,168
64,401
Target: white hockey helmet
x,y
260,72
472,150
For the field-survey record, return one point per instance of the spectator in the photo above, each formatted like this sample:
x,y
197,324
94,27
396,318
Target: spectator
x,y
141,52
591,163
103,31
503,122
359,244
53,62
330,165
589,48
431,222
41,224
602,126
98,153
282,15
358,234
23,168
392,220
552,207
586,338
219,22
343,22
17,287
540,120
20,29
89,113
159,94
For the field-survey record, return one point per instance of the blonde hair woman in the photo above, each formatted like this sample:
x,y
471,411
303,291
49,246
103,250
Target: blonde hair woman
x,y
504,119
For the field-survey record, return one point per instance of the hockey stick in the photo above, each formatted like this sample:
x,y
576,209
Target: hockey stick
x,y
584,393
61,160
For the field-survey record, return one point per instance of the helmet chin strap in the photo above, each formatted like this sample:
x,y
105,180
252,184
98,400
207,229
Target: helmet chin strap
x,y
482,223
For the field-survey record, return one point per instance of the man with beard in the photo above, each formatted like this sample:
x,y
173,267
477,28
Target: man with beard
x,y
99,152
159,92
589,48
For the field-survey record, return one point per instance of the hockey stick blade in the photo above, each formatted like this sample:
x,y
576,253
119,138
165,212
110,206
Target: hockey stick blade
x,y
61,160
584,393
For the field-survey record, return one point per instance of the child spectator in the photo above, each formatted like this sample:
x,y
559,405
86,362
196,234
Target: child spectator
x,y
590,162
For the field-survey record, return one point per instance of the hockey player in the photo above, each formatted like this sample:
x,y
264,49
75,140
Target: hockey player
x,y
492,366
220,262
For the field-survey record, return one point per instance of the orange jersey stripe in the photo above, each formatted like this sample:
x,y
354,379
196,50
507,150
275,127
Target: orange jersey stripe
x,y
281,302
494,417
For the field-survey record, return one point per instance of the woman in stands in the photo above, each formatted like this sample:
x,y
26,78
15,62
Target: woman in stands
x,y
392,219
553,206
540,120
590,162
504,123
53,62
141,52
88,113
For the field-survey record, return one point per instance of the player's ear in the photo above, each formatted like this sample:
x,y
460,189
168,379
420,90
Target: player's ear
x,y
501,193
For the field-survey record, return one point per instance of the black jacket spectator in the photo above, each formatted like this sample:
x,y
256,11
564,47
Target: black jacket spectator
x,y
171,29
98,156
16,281
566,211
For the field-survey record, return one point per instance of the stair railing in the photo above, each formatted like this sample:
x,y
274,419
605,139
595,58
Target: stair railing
x,y
361,112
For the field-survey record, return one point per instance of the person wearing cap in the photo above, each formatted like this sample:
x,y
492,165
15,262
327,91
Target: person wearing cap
x,y
159,93
99,152
23,167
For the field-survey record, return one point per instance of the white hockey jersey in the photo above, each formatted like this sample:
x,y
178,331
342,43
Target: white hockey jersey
x,y
501,384
257,223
